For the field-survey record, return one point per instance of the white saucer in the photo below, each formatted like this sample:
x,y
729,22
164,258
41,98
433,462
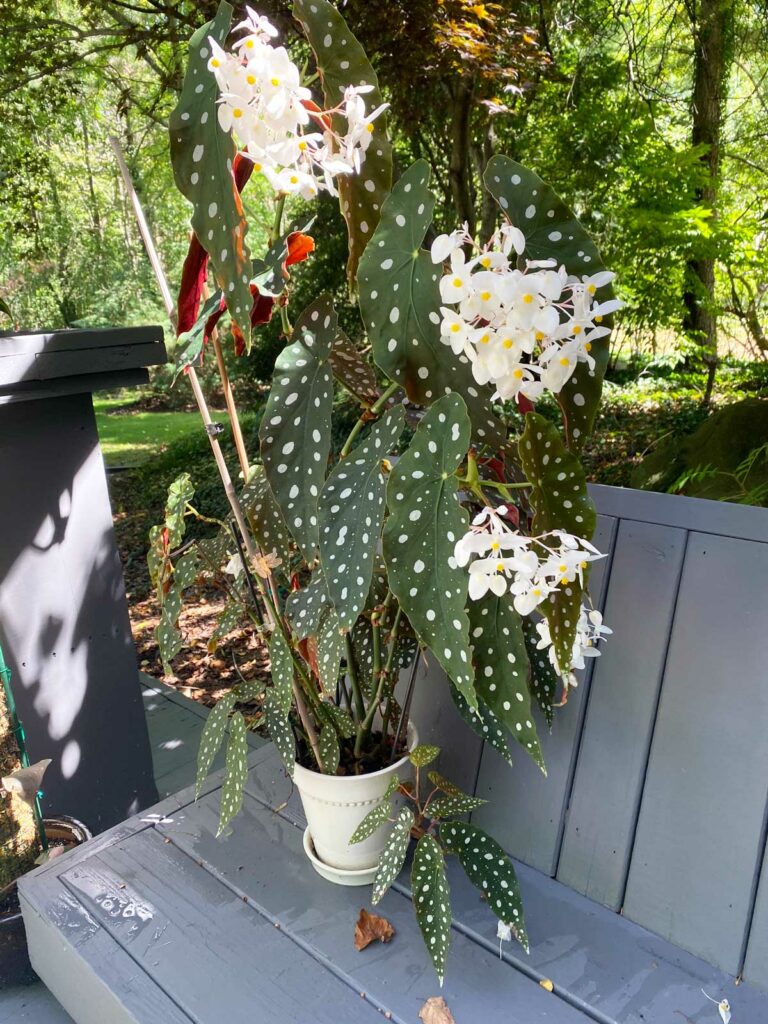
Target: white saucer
x,y
341,876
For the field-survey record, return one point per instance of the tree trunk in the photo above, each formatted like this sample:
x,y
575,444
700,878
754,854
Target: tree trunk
x,y
712,22
460,167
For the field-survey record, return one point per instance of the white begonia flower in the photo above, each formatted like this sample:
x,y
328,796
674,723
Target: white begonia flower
x,y
529,593
454,330
455,285
512,238
444,246
723,1007
488,574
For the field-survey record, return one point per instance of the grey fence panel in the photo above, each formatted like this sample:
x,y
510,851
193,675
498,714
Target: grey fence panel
x,y
526,809
700,831
756,965
623,695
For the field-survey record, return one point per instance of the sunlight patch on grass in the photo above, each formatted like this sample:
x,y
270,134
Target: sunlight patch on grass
x,y
129,439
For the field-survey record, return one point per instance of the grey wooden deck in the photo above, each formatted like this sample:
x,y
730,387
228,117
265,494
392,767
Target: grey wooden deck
x,y
642,856
174,724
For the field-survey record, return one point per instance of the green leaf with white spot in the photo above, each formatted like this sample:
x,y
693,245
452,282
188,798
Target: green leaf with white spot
x,y
203,156
351,511
432,901
452,806
330,644
212,736
425,521
445,785
189,345
483,723
400,302
552,231
236,771
281,671
361,640
423,755
259,505
340,719
375,819
305,608
393,855
501,668
542,678
295,430
167,633
353,371
180,493
280,731
328,746
490,869
561,502
229,619
341,61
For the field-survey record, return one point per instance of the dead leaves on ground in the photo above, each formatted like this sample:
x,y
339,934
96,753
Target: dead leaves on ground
x,y
371,927
436,1011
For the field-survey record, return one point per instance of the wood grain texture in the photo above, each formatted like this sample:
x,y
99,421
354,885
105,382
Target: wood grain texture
x,y
700,830
530,824
623,695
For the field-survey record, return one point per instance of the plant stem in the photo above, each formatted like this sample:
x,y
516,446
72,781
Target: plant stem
x,y
505,486
354,681
277,224
383,677
367,416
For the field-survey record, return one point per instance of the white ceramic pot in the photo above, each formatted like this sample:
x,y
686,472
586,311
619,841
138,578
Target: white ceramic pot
x,y
334,806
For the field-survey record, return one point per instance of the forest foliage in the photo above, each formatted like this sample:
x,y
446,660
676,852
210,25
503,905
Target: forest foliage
x,y
648,117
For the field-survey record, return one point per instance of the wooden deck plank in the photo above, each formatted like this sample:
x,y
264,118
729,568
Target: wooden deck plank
x,y
263,861
700,830
623,695
534,805
195,938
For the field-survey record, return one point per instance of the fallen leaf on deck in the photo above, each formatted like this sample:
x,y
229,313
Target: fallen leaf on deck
x,y
547,984
435,1011
371,927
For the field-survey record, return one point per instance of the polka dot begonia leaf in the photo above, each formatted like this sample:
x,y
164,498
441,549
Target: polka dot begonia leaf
x,y
351,510
393,855
490,869
425,521
501,668
281,671
259,504
330,644
560,500
181,491
235,773
423,755
484,723
542,678
328,745
280,731
351,369
202,155
230,617
212,736
340,719
189,345
361,640
295,431
453,806
305,607
400,303
167,633
432,901
341,61
375,819
552,231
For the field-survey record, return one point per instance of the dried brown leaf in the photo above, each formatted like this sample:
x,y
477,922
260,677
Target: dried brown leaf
x,y
436,1011
371,927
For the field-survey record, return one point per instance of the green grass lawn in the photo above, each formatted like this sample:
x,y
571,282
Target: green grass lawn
x,y
130,438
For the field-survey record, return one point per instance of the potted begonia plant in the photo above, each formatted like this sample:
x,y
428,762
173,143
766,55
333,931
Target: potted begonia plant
x,y
454,522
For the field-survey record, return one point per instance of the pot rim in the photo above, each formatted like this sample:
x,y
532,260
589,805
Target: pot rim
x,y
413,739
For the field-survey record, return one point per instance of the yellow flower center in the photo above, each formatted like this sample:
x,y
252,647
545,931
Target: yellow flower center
x,y
257,167
485,339
536,592
249,43
577,328
294,179
527,299
485,262
587,346
455,328
539,335
485,296
583,565
507,343
517,374
275,81
591,289
303,147
563,568
598,319
215,63
457,282
250,79
499,567
237,112
563,580
495,546
564,362
369,128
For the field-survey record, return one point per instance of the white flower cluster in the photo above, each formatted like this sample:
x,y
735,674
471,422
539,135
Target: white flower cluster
x,y
290,140
524,331
501,559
